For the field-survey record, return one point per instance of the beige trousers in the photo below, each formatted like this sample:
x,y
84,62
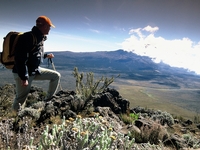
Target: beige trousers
x,y
23,91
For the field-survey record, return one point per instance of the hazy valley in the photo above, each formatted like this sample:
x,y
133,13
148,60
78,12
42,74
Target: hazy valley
x,y
141,81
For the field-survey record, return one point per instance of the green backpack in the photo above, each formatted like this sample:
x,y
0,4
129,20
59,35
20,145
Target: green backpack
x,y
7,55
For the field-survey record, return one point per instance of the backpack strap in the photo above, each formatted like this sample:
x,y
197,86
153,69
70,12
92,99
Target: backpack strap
x,y
15,42
34,41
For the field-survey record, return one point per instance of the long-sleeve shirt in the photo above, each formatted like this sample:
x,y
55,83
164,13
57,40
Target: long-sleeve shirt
x,y
29,53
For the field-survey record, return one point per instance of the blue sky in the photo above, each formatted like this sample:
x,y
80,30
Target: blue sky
x,y
166,30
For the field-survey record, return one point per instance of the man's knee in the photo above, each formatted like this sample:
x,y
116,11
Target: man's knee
x,y
58,75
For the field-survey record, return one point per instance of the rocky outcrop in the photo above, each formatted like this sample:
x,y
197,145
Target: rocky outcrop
x,y
68,104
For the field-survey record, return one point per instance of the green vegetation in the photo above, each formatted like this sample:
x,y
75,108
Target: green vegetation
x,y
129,119
88,89
85,134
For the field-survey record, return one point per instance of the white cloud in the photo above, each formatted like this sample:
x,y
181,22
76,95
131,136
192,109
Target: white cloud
x,y
137,32
150,29
182,53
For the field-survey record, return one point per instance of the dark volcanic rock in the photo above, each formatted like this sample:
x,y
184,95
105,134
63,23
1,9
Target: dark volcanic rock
x,y
111,98
68,104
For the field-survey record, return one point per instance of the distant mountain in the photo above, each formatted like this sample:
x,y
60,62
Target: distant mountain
x,y
117,61
134,66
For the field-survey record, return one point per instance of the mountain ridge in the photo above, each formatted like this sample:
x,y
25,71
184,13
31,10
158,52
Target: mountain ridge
x,y
134,66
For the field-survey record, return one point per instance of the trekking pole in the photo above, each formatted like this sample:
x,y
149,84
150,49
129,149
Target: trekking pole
x,y
55,70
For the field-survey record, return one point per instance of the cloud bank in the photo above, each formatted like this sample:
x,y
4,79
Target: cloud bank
x,y
182,53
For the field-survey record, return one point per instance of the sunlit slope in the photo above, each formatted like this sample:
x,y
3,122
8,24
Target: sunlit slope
x,y
178,101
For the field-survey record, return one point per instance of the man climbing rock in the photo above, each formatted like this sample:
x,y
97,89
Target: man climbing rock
x,y
29,54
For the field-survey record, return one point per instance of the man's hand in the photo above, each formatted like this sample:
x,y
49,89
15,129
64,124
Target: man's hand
x,y
50,55
24,82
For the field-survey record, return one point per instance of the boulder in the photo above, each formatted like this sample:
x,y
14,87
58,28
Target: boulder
x,y
110,116
111,98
